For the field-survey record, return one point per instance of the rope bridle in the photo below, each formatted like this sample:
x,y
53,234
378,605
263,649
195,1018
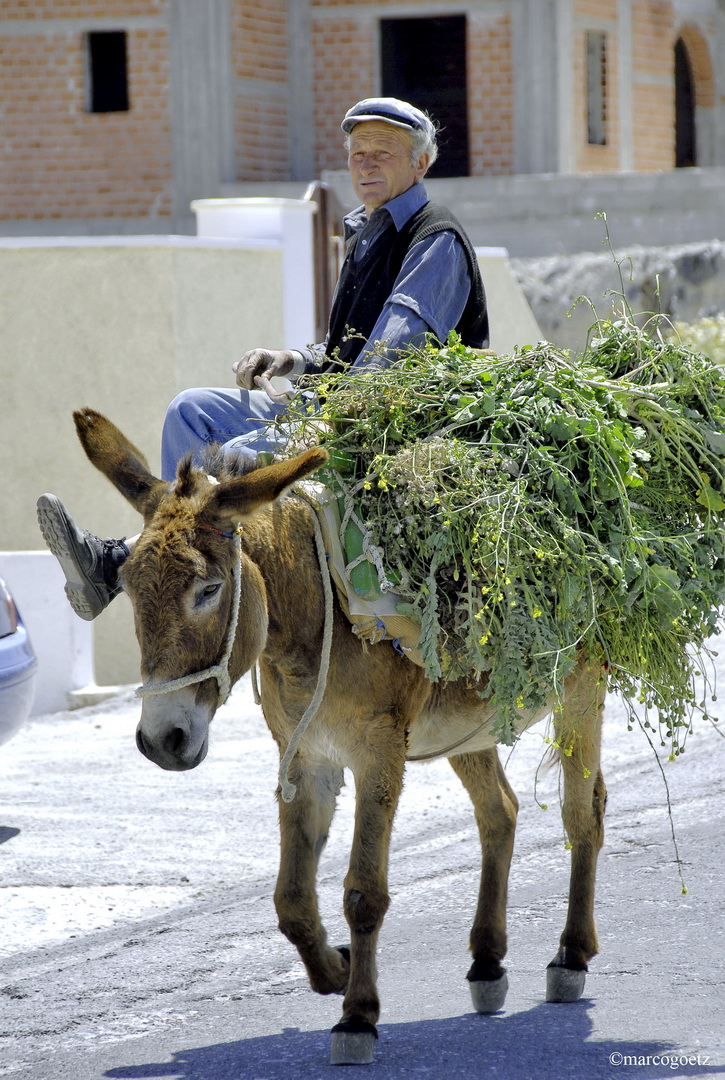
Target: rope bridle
x,y
220,670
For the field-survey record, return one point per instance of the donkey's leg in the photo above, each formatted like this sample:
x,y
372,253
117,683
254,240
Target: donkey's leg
x,y
496,807
378,783
579,730
304,826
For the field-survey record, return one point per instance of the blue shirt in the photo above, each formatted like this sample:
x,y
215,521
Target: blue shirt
x,y
428,295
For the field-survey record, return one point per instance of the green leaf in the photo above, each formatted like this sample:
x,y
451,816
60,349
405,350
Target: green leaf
x,y
715,440
707,496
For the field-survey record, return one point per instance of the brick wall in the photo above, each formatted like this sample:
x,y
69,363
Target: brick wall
x,y
344,51
60,161
653,42
78,9
345,69
259,64
599,15
652,90
490,96
699,56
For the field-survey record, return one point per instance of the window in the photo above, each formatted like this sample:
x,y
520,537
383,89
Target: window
x,y
596,44
424,61
685,143
107,71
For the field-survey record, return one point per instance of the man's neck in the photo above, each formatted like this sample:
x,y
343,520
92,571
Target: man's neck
x,y
416,192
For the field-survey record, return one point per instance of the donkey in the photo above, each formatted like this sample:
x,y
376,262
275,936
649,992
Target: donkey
x,y
229,566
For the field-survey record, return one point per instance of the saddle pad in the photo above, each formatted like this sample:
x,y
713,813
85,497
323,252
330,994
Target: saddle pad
x,y
372,620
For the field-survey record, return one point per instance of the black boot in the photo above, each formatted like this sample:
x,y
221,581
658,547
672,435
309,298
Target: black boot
x,y
90,564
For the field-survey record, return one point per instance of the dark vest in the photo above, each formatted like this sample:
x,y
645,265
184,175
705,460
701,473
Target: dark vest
x,y
364,287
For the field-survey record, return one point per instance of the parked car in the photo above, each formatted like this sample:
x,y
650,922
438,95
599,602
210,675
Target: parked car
x,y
18,667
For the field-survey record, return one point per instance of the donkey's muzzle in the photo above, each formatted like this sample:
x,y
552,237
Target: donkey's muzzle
x,y
174,750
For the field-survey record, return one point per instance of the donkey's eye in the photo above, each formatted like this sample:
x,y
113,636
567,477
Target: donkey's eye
x,y
207,591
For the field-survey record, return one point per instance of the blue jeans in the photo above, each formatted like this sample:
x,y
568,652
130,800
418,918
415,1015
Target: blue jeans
x,y
239,419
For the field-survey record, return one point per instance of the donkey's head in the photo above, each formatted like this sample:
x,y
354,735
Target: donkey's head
x,y
198,600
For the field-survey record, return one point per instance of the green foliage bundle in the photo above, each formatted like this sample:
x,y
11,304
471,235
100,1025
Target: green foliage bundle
x,y
533,505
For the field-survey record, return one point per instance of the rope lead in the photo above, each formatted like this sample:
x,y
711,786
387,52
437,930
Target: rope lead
x,y
288,789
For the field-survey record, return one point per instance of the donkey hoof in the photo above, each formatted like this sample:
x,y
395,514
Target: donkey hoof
x,y
352,1043
489,995
564,984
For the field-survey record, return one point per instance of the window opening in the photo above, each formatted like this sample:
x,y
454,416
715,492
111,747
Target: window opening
x,y
596,45
107,71
685,140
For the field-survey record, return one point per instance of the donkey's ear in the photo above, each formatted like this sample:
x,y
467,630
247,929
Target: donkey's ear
x,y
246,493
119,460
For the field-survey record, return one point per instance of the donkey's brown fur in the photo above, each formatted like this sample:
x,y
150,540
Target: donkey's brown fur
x,y
378,710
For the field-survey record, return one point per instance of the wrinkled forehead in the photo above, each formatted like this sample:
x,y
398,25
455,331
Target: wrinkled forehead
x,y
375,134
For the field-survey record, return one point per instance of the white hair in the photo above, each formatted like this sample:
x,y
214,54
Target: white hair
x,y
425,143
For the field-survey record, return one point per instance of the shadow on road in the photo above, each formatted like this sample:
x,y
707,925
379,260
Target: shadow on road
x,y
548,1042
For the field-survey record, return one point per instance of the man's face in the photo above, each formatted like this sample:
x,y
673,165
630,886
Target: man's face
x,y
379,162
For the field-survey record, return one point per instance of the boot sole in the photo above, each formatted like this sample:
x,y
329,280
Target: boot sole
x,y
59,534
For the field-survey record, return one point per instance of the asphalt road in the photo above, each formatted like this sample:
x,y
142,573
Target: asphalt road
x,y
140,939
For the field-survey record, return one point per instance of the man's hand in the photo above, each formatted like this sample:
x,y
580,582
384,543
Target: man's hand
x,y
258,366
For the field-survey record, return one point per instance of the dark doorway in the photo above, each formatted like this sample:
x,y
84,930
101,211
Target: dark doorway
x,y
424,61
685,144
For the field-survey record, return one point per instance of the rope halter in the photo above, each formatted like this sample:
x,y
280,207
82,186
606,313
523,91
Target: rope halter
x,y
220,670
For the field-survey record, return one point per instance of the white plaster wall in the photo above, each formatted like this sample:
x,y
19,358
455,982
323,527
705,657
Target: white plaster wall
x,y
511,320
121,325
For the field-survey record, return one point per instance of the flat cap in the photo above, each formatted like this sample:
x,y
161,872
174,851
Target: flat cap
x,y
390,110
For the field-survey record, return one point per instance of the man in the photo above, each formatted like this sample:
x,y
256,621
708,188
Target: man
x,y
410,272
